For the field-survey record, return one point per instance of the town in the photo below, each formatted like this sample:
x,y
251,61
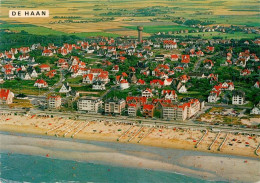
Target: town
x,y
159,77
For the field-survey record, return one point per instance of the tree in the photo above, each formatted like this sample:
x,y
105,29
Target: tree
x,y
157,114
138,113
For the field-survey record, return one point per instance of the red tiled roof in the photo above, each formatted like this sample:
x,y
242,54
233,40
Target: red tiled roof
x,y
171,42
140,81
44,66
123,81
174,56
41,81
148,107
185,58
168,91
132,105
55,97
90,76
4,94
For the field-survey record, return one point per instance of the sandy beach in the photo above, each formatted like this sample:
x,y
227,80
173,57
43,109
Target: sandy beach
x,y
205,167
243,145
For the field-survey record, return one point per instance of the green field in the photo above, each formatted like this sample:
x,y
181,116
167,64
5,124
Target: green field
x,y
38,30
120,17
209,35
166,28
109,17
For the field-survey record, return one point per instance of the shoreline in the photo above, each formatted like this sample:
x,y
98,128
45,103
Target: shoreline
x,y
207,166
110,132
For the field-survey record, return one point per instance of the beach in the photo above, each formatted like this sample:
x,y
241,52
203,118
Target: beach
x,y
199,165
187,139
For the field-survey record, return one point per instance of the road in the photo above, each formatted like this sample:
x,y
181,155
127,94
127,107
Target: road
x,y
227,106
197,64
56,85
142,121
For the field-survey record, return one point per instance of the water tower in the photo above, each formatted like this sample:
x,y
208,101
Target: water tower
x,y
140,36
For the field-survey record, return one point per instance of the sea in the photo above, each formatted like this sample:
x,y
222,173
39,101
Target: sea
x,y
32,168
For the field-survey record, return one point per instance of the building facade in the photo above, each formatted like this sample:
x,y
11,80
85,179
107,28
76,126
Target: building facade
x,y
90,104
114,106
6,96
54,102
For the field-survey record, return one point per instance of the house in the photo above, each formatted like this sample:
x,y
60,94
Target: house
x,y
132,109
1,80
65,88
98,86
47,52
185,59
255,110
184,78
140,82
54,101
245,72
169,95
238,97
115,68
228,85
114,106
51,73
34,74
168,82
157,83
27,76
40,83
90,104
256,85
169,44
21,74
147,93
199,53
174,57
192,53
124,84
208,64
182,89
6,96
241,62
45,67
62,63
210,49
88,78
136,100
103,77
178,69
148,110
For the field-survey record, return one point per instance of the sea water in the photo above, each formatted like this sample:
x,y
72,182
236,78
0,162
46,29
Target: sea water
x,y
32,168
28,168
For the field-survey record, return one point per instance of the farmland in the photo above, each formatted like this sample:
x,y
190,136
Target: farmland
x,y
117,17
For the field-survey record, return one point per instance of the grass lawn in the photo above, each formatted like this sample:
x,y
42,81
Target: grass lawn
x,y
194,94
76,80
25,87
21,103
